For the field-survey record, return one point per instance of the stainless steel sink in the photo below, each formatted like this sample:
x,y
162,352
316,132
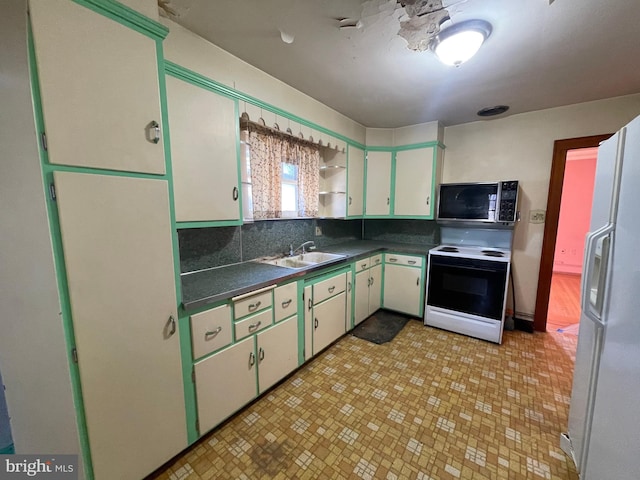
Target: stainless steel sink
x,y
303,260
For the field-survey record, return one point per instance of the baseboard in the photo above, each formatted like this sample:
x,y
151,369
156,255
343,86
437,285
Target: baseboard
x,y
524,325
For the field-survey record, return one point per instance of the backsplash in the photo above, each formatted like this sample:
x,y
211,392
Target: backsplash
x,y
202,248
421,232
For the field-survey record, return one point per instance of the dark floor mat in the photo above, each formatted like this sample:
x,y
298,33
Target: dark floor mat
x,y
381,327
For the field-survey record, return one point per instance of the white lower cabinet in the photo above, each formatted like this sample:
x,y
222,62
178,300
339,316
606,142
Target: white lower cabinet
x,y
277,352
328,321
368,288
225,382
403,284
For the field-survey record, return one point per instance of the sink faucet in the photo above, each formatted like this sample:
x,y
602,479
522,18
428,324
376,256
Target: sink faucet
x,y
310,244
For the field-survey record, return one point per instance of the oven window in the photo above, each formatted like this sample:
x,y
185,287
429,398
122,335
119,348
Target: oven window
x,y
467,285
468,202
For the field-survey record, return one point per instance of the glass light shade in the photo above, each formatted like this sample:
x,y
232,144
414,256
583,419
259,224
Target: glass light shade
x,y
460,42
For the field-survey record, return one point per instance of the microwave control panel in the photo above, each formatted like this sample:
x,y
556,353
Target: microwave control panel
x,y
508,201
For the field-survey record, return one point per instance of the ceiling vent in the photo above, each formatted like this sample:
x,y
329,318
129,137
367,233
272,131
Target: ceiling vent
x,y
492,111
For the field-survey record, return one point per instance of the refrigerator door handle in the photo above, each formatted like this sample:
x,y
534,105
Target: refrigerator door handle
x,y
595,272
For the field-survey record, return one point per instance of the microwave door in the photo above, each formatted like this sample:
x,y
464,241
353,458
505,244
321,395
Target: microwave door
x,y
468,202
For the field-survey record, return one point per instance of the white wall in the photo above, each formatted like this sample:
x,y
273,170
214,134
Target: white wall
x,y
33,353
521,148
193,52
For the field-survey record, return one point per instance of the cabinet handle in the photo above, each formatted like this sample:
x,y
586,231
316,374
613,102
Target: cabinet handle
x,y
212,333
254,306
369,282
387,200
372,280
363,265
331,289
418,281
348,286
393,259
260,354
171,324
310,304
350,200
315,323
235,193
411,262
428,198
155,126
377,261
286,303
253,326
252,359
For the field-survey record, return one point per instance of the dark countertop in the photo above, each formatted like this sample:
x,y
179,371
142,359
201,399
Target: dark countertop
x,y
209,286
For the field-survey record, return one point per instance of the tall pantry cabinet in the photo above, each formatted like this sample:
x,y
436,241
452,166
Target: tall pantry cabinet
x,y
101,124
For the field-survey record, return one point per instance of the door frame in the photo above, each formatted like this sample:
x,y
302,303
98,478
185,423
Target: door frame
x,y
560,149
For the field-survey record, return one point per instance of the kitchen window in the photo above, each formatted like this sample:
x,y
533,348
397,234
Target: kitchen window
x,y
285,177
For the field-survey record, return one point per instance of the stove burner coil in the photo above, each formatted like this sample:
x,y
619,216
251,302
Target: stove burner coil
x,y
448,249
492,253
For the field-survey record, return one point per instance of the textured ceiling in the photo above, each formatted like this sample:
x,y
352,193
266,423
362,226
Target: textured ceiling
x,y
538,55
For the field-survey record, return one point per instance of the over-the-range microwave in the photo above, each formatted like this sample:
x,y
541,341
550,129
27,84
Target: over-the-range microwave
x,y
478,203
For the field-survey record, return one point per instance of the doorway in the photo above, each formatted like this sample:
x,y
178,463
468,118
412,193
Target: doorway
x,y
558,167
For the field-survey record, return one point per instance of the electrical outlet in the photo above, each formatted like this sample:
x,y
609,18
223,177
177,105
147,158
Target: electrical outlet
x,y
537,216
318,231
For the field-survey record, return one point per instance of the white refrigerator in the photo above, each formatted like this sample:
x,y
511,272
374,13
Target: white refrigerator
x,y
603,435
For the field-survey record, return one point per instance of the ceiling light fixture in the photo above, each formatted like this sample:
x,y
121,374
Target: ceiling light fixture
x,y
456,44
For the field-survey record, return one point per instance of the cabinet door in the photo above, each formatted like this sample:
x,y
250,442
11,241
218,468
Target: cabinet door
x,y
361,309
99,87
375,289
328,321
378,185
116,236
349,316
355,179
225,382
203,153
308,322
402,286
277,353
414,182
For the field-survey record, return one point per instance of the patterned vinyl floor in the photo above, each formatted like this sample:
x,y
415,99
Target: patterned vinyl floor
x,y
428,405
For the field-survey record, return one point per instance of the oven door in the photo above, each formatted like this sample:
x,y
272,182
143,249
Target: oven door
x,y
467,285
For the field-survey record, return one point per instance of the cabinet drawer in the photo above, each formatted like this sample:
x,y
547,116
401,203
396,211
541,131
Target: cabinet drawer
x,y
328,288
253,324
285,299
362,264
210,330
411,261
375,260
251,304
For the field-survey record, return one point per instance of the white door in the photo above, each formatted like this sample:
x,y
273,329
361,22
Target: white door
x,y
402,289
204,156
349,315
414,182
378,187
328,322
308,322
99,88
355,180
277,352
225,382
375,289
117,241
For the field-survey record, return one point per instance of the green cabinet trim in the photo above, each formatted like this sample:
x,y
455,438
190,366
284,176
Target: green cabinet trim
x,y
127,17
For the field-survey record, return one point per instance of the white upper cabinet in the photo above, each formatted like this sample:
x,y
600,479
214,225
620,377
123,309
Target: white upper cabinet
x,y
378,183
355,182
414,182
204,155
100,89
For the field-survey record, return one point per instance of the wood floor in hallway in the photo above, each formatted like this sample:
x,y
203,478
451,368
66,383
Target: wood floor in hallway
x,y
564,302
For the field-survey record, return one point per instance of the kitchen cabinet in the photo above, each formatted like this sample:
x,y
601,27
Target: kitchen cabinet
x,y
333,181
117,242
100,103
325,312
277,353
378,184
225,382
368,287
403,283
414,182
203,153
355,182
211,330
